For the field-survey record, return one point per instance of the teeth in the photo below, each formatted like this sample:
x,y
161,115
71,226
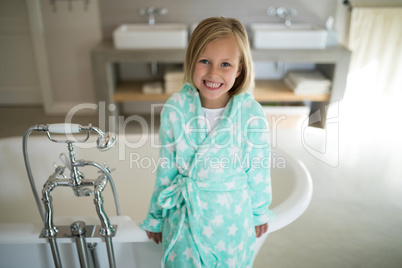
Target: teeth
x,y
212,85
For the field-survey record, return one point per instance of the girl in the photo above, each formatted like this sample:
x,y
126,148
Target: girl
x,y
212,188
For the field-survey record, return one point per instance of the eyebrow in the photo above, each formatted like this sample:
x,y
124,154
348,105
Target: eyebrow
x,y
204,56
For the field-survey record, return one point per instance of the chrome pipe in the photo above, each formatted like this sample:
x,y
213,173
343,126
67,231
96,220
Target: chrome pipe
x,y
109,178
78,231
50,230
106,230
28,166
94,256
55,252
110,252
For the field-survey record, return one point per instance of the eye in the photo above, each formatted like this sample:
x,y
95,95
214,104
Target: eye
x,y
204,61
225,64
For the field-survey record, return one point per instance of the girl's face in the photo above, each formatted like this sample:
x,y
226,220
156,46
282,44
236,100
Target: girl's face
x,y
216,71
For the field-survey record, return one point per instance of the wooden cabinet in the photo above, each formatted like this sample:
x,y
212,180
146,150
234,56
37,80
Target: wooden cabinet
x,y
332,61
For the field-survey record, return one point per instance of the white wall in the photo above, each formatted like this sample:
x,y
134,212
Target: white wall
x,y
70,35
18,75
68,32
45,53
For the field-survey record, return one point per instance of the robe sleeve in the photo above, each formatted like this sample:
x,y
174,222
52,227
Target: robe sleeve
x,y
258,173
165,173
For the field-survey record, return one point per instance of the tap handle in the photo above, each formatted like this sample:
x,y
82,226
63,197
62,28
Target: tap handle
x,y
63,157
163,11
59,170
64,128
292,11
271,11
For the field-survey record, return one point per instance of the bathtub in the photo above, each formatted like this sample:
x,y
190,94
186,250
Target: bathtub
x,y
134,159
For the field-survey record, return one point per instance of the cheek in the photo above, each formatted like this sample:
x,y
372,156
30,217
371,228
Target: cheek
x,y
197,72
233,75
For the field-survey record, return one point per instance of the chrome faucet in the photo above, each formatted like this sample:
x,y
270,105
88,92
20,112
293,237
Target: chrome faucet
x,y
284,13
151,13
76,180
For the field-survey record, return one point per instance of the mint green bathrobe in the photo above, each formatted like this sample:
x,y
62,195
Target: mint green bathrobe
x,y
211,190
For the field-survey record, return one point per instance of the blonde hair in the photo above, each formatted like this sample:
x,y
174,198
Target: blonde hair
x,y
212,29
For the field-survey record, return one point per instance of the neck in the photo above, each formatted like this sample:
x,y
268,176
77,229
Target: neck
x,y
214,104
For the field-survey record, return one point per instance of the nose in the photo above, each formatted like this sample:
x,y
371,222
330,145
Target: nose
x,y
213,71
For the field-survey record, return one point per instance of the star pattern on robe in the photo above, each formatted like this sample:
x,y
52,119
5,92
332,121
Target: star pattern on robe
x,y
258,178
181,146
165,181
170,148
220,169
221,246
231,250
192,107
189,253
240,247
169,132
203,173
201,121
218,220
207,231
230,185
232,229
245,224
172,256
188,129
234,128
178,98
204,205
215,149
153,223
248,104
268,190
250,232
202,184
231,262
233,150
252,247
254,121
244,195
238,209
173,117
223,200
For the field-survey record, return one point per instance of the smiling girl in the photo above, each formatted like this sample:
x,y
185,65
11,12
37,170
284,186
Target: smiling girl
x,y
208,213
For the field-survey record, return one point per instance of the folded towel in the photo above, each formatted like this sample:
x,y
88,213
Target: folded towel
x,y
152,88
307,82
306,90
308,78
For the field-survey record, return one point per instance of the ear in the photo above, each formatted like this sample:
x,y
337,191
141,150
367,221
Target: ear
x,y
239,70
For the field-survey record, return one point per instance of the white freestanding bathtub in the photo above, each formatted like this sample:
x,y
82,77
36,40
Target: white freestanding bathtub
x,y
134,159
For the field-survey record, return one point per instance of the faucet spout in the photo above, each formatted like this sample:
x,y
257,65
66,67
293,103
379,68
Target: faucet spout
x,y
151,13
284,13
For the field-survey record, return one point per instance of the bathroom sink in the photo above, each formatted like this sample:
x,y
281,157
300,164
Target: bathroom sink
x,y
144,36
278,36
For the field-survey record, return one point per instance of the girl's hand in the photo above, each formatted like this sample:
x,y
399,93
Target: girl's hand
x,y
261,229
157,237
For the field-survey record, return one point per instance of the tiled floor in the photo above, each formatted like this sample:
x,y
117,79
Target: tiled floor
x,y
355,217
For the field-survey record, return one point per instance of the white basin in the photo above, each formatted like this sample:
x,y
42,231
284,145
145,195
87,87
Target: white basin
x,y
144,36
278,36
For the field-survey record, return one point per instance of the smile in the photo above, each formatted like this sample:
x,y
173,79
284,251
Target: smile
x,y
212,85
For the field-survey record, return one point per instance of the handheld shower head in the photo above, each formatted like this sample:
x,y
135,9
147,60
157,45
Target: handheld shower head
x,y
106,141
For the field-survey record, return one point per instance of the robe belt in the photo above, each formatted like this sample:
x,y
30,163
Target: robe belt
x,y
186,189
